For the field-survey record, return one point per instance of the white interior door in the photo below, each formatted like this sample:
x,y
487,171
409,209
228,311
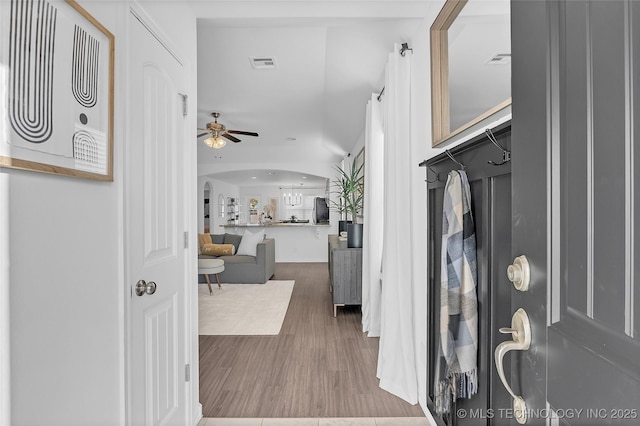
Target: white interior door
x,y
154,229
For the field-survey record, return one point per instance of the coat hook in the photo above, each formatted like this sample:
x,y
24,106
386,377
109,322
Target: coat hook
x,y
506,155
453,159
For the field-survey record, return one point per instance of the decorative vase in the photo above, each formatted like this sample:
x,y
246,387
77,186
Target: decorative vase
x,y
342,225
354,235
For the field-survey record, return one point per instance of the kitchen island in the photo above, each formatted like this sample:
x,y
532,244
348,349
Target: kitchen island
x,y
296,241
276,223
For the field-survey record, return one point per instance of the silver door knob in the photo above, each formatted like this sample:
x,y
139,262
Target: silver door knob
x,y
521,332
143,287
519,273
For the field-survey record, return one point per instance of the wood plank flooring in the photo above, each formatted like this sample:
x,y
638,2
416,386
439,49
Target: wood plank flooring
x,y
318,366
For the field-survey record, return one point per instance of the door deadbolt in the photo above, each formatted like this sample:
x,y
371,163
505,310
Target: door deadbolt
x,y
519,273
143,287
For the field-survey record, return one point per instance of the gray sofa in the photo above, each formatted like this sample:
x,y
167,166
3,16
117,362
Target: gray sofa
x,y
243,268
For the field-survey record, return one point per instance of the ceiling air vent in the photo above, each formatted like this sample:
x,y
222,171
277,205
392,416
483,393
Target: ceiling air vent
x,y
500,59
263,63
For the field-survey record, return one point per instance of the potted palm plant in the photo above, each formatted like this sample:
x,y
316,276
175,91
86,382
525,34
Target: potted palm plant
x,y
340,205
350,185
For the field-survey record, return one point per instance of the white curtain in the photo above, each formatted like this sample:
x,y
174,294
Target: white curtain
x,y
397,368
373,214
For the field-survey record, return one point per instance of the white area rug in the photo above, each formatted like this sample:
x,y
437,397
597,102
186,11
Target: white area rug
x,y
243,309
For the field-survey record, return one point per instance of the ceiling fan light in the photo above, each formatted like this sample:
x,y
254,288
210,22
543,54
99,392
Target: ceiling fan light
x,y
215,142
218,142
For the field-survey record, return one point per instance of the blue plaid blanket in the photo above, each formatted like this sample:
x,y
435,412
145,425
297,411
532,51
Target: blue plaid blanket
x,y
456,367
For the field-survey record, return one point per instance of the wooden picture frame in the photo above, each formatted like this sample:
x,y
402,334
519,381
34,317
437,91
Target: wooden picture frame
x,y
57,113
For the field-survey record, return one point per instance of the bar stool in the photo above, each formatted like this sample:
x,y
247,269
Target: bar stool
x,y
211,266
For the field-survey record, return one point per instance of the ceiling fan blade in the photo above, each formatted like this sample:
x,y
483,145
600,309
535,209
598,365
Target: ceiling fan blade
x,y
202,134
240,132
231,138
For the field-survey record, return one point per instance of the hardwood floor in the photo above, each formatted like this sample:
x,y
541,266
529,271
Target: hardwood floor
x,y
318,366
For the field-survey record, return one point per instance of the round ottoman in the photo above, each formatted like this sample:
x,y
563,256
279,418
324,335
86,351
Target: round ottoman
x,y
211,266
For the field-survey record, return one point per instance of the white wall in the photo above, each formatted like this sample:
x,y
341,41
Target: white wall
x,y
66,289
66,269
5,317
421,149
66,295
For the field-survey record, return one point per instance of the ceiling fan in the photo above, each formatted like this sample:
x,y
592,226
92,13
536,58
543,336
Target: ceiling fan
x,y
219,131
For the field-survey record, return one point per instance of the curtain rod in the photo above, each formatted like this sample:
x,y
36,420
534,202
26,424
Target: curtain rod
x,y
405,47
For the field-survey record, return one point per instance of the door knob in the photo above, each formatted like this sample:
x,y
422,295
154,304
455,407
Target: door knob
x,y
519,273
521,339
143,287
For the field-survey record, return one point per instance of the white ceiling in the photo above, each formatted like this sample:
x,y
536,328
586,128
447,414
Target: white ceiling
x,y
330,57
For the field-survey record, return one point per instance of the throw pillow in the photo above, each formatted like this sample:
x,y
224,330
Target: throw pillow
x,y
218,249
248,245
233,239
217,238
202,240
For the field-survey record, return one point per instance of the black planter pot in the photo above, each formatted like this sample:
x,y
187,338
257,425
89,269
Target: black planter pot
x,y
354,235
342,225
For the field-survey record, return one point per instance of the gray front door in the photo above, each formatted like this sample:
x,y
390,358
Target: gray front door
x,y
576,185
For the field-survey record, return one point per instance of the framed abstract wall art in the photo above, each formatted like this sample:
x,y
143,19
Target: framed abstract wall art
x,y
56,89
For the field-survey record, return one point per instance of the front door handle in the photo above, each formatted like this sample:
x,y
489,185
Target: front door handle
x,y
521,339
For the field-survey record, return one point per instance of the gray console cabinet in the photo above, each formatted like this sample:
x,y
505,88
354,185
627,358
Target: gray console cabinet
x,y
345,273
